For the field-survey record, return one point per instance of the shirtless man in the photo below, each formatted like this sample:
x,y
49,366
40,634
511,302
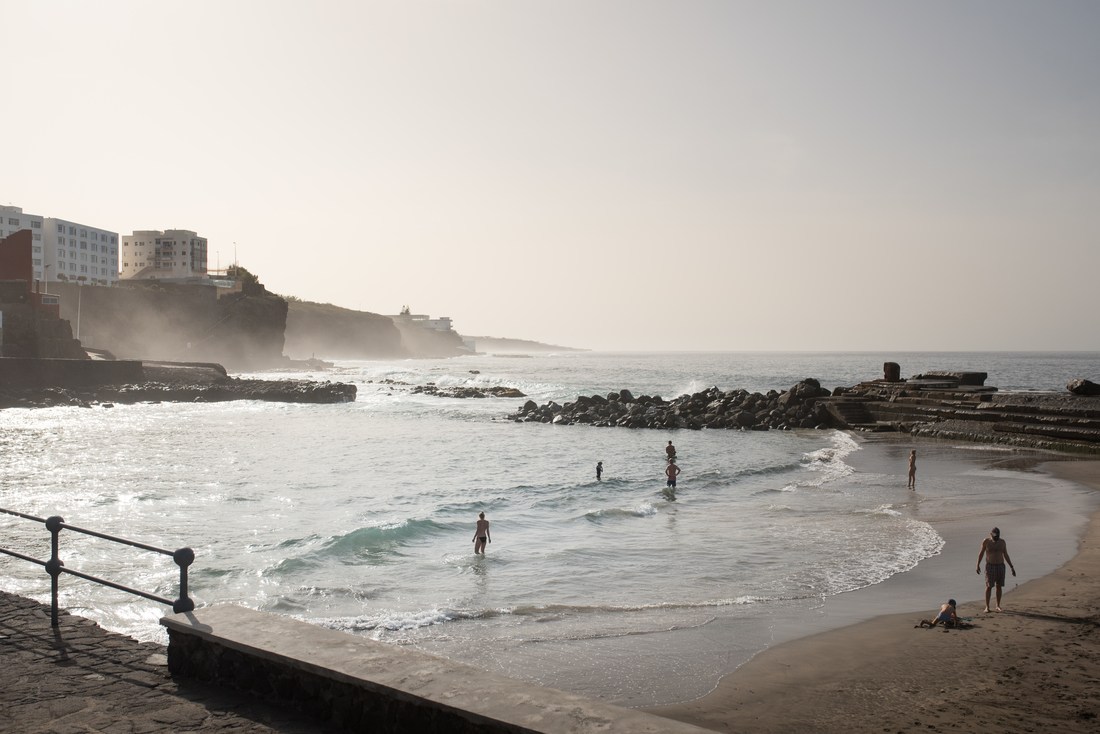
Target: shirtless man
x,y
996,555
913,469
481,534
671,472
670,451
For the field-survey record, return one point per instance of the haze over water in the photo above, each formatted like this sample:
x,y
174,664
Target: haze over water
x,y
360,516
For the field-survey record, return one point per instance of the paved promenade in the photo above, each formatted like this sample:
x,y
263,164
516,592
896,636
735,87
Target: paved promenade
x,y
79,678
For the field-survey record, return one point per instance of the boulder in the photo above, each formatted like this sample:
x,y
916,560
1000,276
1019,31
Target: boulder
x,y
1083,387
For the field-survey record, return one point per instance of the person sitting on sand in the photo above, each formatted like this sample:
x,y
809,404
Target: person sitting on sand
x,y
947,616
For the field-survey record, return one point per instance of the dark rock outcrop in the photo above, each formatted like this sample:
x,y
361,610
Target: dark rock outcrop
x,y
1083,387
180,383
465,391
712,408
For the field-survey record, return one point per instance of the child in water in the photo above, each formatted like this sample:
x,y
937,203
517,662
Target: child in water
x,y
947,615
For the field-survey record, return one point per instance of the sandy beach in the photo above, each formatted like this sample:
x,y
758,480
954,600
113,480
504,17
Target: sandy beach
x,y
1033,667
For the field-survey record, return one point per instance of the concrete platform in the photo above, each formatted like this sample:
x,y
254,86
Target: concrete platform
x,y
362,684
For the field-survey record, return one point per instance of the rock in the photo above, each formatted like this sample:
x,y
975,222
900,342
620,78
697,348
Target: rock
x,y
1083,387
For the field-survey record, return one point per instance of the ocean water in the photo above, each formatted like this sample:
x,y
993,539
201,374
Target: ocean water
x,y
360,516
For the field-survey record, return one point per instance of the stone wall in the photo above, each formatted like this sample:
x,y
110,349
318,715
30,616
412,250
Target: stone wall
x,y
360,685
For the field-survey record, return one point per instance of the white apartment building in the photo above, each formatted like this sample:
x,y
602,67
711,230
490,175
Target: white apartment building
x,y
171,254
65,250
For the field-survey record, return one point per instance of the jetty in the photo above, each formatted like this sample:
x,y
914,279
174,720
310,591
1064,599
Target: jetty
x,y
949,405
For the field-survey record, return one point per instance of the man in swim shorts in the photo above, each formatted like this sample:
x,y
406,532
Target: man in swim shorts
x,y
995,551
670,451
671,473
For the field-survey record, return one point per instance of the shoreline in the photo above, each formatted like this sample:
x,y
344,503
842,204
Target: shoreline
x,y
1037,662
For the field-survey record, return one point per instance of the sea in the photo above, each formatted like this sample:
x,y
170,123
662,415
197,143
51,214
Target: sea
x,y
360,516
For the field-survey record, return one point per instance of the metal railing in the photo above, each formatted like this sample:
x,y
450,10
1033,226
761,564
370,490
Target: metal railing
x,y
183,557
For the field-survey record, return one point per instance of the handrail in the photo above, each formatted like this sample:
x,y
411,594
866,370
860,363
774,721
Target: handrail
x,y
183,557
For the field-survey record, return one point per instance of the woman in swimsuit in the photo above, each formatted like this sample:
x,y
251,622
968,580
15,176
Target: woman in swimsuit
x,y
481,534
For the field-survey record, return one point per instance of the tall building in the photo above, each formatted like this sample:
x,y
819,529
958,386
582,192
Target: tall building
x,y
173,254
12,220
65,250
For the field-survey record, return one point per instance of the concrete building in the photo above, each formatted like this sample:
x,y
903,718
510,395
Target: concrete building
x,y
174,254
65,250
443,323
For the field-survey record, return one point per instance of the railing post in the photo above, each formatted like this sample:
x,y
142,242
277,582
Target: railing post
x,y
183,557
53,566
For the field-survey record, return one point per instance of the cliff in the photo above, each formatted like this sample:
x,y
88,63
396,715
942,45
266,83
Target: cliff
x,y
330,332
176,322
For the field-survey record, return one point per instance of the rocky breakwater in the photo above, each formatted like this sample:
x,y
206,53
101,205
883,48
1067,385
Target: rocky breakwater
x,y
181,383
798,407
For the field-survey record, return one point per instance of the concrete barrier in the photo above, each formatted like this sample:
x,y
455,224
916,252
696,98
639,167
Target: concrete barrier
x,y
364,685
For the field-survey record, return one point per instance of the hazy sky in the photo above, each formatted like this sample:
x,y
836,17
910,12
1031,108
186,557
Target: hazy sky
x,y
613,175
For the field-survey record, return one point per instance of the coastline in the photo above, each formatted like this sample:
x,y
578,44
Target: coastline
x,y
1036,662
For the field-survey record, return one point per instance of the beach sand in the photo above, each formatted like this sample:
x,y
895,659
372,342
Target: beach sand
x,y
1033,667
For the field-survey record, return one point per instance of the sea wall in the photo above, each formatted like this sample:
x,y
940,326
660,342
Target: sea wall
x,y
359,684
22,372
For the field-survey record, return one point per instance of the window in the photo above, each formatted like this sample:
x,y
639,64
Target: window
x,y
38,236
36,224
83,245
72,230
83,233
13,220
61,228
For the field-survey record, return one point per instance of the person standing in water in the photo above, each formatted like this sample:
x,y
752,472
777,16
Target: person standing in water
x,y
599,471
913,469
671,472
995,551
670,451
481,534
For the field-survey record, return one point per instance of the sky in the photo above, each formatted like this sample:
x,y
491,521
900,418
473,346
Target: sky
x,y
602,174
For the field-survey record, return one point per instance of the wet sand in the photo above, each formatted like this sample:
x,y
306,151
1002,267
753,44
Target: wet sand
x,y
1034,666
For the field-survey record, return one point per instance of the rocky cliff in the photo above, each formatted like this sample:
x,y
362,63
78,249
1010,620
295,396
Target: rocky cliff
x,y
330,332
190,323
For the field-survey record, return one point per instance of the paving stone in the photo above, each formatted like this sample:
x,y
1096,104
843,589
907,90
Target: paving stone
x,y
81,679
